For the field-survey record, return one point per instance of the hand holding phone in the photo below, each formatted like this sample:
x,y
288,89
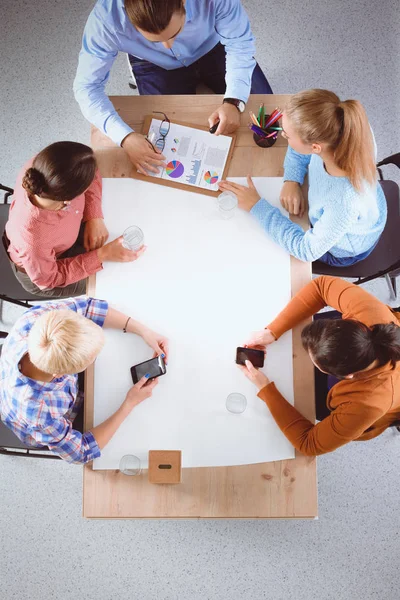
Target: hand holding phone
x,y
260,339
155,367
256,357
142,390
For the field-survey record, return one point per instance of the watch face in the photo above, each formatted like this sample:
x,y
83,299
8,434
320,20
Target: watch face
x,y
241,106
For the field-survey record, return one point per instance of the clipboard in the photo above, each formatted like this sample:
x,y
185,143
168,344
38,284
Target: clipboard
x,y
185,186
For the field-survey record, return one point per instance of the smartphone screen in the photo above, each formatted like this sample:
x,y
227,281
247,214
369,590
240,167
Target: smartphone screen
x,y
155,367
256,357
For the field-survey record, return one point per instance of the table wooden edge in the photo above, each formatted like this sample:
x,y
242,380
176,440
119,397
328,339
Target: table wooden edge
x,y
301,368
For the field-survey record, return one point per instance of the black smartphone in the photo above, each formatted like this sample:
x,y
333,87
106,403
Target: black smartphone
x,y
155,367
256,357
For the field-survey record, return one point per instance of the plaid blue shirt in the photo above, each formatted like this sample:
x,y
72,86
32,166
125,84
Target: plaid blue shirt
x,y
41,414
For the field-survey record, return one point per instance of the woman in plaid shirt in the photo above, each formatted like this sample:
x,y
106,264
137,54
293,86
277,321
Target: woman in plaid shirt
x,y
47,347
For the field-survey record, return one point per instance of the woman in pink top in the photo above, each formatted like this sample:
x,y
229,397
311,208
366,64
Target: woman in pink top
x,y
56,233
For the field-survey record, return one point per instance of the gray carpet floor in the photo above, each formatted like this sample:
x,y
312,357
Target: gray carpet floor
x,y
352,552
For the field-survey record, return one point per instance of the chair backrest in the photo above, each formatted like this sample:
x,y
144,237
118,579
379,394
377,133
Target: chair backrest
x,y
385,258
10,288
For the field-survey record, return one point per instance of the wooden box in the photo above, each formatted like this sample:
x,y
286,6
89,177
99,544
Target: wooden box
x,y
165,466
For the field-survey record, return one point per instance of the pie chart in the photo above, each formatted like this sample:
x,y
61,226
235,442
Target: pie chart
x,y
211,177
174,169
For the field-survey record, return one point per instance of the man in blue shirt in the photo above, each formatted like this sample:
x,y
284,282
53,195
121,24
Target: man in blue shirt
x,y
171,45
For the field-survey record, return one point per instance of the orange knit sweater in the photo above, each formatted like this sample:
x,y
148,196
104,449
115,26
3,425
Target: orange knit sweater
x,y
362,407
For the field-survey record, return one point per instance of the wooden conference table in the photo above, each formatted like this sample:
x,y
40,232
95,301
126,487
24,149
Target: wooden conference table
x,y
270,490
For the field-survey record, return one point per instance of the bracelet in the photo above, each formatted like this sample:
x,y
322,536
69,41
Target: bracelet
x,y
125,326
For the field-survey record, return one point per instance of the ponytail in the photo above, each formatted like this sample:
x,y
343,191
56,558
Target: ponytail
x,y
318,116
342,347
354,152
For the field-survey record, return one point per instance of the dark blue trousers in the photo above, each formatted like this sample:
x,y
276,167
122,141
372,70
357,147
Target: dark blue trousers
x,y
209,69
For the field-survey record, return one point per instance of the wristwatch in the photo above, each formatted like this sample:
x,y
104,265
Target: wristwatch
x,y
240,105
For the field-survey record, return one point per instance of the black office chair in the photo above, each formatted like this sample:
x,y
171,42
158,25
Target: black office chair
x,y
10,288
384,261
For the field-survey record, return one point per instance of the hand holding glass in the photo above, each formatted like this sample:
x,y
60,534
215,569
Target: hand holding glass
x,y
133,238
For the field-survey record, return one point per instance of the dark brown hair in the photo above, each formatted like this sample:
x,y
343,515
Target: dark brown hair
x,y
152,16
62,171
345,346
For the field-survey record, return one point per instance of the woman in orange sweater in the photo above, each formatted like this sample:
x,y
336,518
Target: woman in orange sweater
x,y
362,351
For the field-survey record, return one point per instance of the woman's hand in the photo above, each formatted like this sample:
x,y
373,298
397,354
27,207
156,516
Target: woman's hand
x,y
247,196
157,342
259,379
115,251
292,198
260,340
142,390
95,234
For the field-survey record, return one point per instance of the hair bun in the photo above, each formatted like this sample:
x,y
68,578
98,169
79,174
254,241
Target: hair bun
x,y
385,339
33,181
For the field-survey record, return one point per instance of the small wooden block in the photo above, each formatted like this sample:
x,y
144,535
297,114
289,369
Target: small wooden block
x,y
165,466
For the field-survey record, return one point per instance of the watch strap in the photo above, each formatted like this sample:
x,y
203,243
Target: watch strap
x,y
235,101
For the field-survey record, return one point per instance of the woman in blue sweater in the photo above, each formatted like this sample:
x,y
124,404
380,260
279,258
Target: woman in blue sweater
x,y
333,142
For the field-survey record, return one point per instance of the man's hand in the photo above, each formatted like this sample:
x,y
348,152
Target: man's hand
x,y
255,376
292,198
247,196
115,252
142,154
95,234
228,117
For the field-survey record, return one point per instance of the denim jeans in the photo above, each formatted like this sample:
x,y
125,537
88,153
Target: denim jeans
x,y
209,69
347,261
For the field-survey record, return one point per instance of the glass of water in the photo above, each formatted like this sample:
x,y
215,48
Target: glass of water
x,y
236,403
133,238
130,465
227,204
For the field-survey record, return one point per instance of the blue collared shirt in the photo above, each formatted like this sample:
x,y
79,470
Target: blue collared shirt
x,y
40,413
109,31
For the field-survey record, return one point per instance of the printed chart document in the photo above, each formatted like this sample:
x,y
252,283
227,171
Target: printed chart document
x,y
193,156
207,284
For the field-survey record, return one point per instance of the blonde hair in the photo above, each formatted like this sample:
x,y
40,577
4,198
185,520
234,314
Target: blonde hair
x,y
319,116
64,343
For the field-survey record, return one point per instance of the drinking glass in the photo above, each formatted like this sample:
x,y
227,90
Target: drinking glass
x,y
130,465
227,203
133,238
236,403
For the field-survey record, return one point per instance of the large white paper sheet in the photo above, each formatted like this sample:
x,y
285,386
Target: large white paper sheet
x,y
207,284
193,156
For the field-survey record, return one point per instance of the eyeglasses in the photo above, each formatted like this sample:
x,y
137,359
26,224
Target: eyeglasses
x,y
159,142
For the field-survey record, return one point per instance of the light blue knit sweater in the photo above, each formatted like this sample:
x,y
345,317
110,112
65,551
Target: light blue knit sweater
x,y
344,221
